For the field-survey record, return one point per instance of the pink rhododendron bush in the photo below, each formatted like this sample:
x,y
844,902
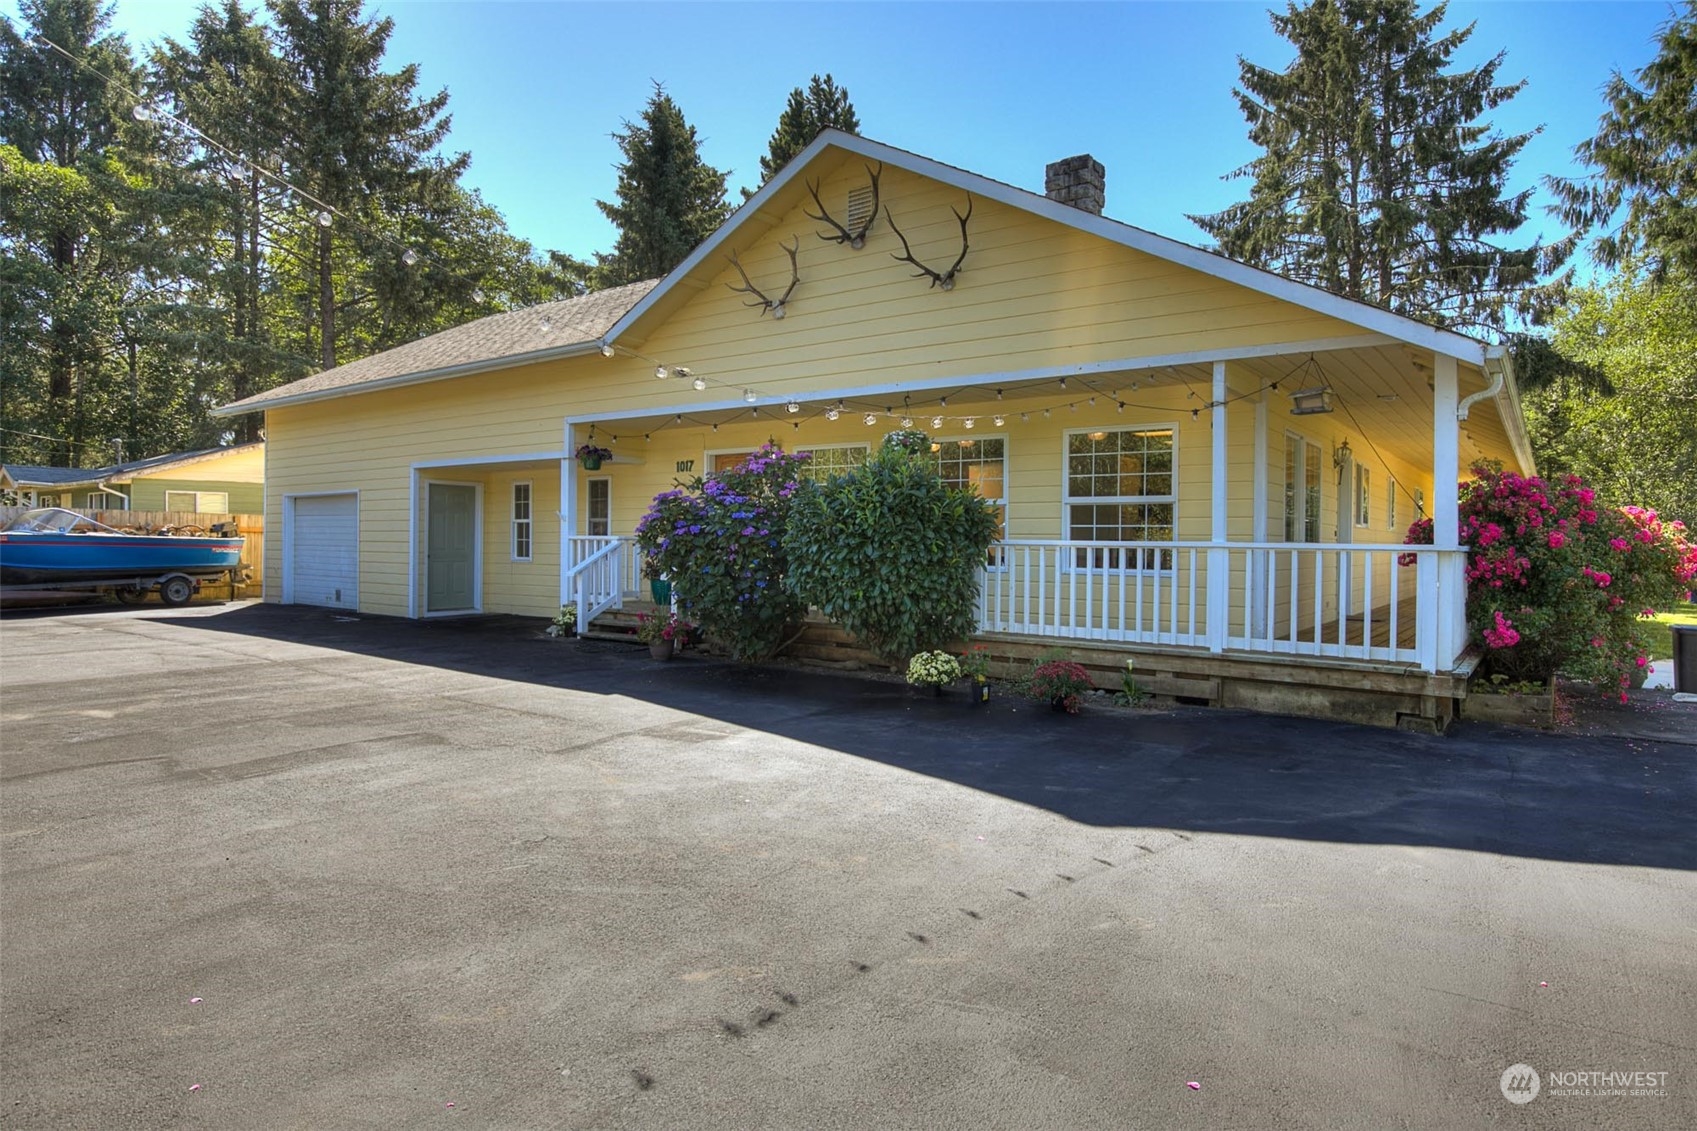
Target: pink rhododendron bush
x,y
1558,581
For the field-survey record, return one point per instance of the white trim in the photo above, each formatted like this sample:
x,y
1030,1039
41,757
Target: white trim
x,y
588,517
1003,377
1067,502
412,543
483,365
707,455
288,585
474,461
476,548
1220,462
1218,266
529,520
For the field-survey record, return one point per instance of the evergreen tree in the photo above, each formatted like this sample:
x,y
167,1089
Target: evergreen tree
x,y
1377,180
669,200
230,82
79,227
1644,158
358,140
824,105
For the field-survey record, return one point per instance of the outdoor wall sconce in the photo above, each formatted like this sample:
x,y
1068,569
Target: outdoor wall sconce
x,y
1341,457
1310,401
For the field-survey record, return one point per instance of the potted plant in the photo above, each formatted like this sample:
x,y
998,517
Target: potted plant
x,y
935,670
662,633
1063,683
975,666
565,623
590,456
659,587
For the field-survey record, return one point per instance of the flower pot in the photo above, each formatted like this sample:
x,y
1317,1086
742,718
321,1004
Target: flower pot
x,y
660,649
591,463
661,590
980,691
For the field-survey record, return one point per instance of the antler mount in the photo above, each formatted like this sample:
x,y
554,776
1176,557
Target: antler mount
x,y
944,279
857,238
776,306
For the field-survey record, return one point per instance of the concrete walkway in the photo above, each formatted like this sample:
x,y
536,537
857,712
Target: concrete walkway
x,y
555,884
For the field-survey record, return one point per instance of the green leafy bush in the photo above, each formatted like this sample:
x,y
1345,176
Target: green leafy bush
x,y
891,552
720,540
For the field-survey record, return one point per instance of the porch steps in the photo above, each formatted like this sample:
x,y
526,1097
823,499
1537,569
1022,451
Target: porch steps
x,y
618,624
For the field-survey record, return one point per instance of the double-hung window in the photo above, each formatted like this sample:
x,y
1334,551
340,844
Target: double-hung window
x,y
521,522
1120,487
203,502
981,464
828,462
1363,497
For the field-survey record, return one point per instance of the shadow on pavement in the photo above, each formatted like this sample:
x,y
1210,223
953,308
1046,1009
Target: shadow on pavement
x,y
1577,798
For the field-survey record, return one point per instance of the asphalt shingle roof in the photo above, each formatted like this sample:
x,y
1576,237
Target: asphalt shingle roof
x,y
573,321
31,476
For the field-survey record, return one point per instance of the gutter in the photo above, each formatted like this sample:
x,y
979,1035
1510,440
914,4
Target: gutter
x,y
486,365
1499,365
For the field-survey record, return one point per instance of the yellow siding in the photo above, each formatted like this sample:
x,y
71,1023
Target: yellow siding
x,y
1032,294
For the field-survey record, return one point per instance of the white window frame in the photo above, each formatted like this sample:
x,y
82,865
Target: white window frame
x,y
1390,503
1297,447
527,524
198,508
811,448
1069,562
1002,501
1363,496
710,454
589,505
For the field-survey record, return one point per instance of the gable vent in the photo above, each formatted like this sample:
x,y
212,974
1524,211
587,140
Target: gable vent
x,y
859,207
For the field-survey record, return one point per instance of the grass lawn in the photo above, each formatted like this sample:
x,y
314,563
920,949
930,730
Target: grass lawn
x,y
1661,632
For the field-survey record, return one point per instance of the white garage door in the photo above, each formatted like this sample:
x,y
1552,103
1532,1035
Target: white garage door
x,y
323,551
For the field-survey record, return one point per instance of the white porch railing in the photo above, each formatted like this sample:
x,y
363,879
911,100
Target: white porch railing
x,y
1344,601
595,575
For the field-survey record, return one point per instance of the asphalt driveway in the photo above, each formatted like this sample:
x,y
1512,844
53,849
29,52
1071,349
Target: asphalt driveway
x,y
354,872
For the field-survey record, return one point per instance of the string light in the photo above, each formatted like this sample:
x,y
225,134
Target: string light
x,y
547,324
1063,382
750,396
323,218
907,422
998,421
660,372
409,257
606,351
832,413
792,407
700,383
871,419
936,422
970,422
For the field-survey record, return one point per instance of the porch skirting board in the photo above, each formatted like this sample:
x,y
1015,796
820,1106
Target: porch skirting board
x,y
1375,694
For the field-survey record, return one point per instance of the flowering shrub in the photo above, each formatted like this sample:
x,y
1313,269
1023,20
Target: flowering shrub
x,y
1061,681
932,669
1558,581
720,540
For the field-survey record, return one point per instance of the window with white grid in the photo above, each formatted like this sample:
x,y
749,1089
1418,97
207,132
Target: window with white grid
x,y
980,463
1120,487
521,522
826,463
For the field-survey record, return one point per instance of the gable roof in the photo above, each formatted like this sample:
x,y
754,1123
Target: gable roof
x,y
1362,314
601,318
518,337
26,475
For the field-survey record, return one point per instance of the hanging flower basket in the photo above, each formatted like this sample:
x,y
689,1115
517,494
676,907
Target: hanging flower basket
x,y
591,456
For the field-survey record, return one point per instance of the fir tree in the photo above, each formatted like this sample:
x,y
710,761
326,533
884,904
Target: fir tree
x,y
824,105
669,200
1377,179
1644,158
358,140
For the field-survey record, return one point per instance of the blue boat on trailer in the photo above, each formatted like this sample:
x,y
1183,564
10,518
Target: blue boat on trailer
x,y
51,548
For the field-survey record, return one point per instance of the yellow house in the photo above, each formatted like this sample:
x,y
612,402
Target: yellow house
x,y
228,480
1190,455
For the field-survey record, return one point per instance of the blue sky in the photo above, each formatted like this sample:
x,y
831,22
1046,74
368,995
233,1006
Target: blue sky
x,y
1000,89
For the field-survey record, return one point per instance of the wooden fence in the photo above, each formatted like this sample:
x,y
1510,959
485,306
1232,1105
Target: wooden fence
x,y
250,526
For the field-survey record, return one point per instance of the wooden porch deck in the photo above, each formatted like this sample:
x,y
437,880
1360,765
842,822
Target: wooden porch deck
x,y
1353,627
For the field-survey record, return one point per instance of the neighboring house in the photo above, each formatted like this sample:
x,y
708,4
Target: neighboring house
x,y
212,481
1192,457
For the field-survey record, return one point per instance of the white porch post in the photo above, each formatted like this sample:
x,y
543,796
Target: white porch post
x,y
568,514
1219,558
1442,585
1258,559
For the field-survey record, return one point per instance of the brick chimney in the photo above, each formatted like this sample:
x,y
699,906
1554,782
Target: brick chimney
x,y
1079,181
